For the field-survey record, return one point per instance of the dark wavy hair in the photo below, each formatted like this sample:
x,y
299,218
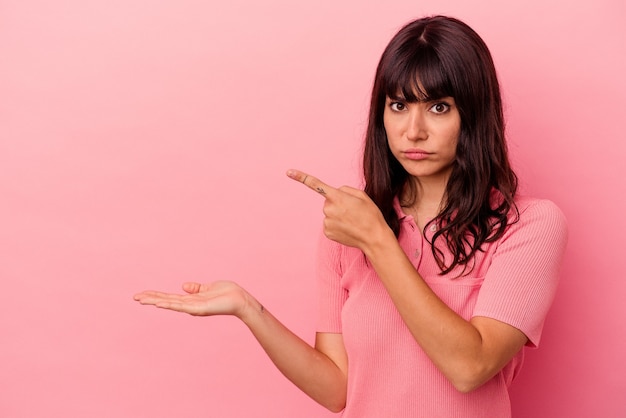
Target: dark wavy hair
x,y
428,59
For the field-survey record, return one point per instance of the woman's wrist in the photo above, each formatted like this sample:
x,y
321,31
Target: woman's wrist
x,y
378,241
251,309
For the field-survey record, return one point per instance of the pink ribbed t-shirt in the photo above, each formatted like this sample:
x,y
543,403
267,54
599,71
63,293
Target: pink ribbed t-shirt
x,y
389,376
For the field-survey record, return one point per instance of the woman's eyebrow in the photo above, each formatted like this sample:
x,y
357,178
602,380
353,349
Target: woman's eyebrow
x,y
401,98
395,96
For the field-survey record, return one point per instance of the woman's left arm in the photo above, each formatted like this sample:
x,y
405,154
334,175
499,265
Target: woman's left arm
x,y
468,353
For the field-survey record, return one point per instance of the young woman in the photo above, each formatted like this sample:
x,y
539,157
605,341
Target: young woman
x,y
433,278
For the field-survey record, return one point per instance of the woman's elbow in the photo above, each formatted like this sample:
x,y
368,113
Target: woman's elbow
x,y
335,406
332,399
467,386
471,379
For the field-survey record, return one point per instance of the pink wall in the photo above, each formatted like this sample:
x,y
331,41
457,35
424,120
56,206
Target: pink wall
x,y
143,143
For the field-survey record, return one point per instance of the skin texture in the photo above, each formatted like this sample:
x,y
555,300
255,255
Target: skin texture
x,y
431,126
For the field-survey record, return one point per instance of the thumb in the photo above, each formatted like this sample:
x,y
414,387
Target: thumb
x,y
192,287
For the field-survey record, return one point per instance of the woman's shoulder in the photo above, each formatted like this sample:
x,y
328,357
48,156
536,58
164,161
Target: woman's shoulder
x,y
527,205
537,215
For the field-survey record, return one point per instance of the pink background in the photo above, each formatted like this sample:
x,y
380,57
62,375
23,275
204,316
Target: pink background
x,y
144,143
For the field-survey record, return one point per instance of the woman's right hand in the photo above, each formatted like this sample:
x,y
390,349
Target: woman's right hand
x,y
321,371
217,298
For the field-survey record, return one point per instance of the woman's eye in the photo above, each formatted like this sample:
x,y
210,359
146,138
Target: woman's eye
x,y
397,106
439,108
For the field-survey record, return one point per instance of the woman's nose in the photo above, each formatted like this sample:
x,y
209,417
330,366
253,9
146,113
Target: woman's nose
x,y
416,125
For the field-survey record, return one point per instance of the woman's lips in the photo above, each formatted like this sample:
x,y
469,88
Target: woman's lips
x,y
416,154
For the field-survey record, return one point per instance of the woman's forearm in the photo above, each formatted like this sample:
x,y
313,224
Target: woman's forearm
x,y
320,372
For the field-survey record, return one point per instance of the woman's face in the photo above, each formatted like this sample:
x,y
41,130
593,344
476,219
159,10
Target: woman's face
x,y
423,135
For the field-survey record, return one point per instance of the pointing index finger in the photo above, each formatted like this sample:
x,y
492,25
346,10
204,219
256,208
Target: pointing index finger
x,y
311,182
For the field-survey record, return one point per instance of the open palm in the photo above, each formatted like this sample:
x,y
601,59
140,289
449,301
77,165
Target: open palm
x,y
217,298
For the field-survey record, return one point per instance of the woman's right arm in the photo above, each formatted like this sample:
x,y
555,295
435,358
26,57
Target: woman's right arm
x,y
320,371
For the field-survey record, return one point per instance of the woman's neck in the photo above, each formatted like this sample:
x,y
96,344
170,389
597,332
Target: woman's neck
x,y
423,199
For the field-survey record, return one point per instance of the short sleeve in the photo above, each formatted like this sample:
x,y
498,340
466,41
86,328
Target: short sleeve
x,y
331,294
521,281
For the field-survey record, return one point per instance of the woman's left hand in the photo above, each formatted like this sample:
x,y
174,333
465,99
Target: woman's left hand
x,y
351,217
